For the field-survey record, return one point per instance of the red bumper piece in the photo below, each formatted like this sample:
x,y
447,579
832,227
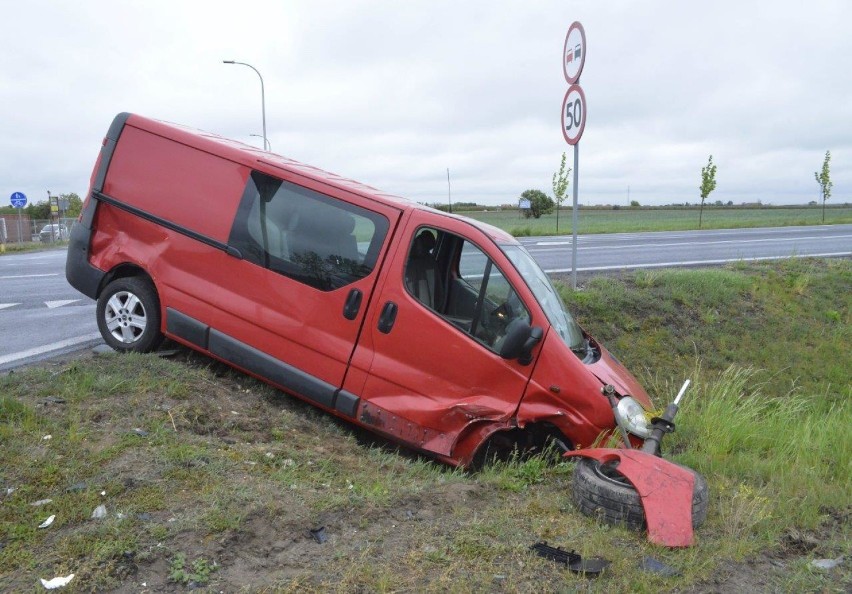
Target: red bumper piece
x,y
665,490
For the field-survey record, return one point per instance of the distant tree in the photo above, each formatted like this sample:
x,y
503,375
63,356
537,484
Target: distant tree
x,y
75,204
730,202
823,178
708,184
560,187
634,204
38,210
540,203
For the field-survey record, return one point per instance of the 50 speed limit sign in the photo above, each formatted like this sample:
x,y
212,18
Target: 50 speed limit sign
x,y
573,114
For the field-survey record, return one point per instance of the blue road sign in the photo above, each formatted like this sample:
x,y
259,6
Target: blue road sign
x,y
19,199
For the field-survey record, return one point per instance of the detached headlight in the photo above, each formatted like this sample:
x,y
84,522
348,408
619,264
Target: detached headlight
x,y
630,415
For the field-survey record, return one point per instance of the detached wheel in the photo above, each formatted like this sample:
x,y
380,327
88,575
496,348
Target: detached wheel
x,y
129,315
600,490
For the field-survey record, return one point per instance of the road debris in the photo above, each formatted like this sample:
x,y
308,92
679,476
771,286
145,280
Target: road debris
x,y
826,563
99,513
57,582
319,534
651,565
47,522
574,562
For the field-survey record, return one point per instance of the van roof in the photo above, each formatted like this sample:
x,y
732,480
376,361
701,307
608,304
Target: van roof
x,y
272,163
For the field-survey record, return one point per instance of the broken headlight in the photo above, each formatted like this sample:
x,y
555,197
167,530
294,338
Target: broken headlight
x,y
630,415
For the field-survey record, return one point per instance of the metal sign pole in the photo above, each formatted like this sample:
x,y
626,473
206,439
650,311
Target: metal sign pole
x,y
574,221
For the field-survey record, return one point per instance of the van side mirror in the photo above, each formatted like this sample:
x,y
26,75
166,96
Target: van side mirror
x,y
519,341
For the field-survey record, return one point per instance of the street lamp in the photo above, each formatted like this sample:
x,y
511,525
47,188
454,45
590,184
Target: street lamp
x,y
262,96
267,145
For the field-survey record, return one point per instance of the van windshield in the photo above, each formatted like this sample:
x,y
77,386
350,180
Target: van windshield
x,y
547,297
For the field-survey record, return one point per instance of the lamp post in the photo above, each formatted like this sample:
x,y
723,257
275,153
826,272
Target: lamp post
x,y
262,96
267,145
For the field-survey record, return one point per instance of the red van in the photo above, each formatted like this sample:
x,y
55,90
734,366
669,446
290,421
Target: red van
x,y
434,330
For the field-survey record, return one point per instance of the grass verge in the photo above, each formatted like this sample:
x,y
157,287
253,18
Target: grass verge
x,y
212,480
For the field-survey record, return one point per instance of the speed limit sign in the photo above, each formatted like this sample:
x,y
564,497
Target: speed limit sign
x,y
573,114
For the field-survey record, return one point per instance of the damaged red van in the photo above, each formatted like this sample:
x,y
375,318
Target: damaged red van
x,y
434,330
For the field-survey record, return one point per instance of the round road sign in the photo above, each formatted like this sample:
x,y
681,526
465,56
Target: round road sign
x,y
573,114
18,199
574,52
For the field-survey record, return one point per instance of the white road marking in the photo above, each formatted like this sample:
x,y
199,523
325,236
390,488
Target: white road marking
x,y
696,262
60,303
29,275
55,346
7,305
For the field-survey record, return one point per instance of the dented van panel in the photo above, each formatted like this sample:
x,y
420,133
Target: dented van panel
x,y
435,331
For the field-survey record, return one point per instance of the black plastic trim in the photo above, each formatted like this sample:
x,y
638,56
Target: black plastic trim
x,y
143,214
266,366
346,403
108,149
78,271
187,328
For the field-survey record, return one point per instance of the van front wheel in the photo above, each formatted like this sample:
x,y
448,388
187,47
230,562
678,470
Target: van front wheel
x,y
129,315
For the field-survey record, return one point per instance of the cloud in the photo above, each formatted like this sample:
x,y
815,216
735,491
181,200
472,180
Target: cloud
x,y
393,94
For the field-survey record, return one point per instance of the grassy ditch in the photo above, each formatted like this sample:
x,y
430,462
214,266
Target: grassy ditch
x,y
212,480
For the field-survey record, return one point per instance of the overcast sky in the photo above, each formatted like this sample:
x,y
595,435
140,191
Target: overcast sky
x,y
394,93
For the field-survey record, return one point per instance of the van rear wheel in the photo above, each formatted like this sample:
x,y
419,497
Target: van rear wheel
x,y
129,315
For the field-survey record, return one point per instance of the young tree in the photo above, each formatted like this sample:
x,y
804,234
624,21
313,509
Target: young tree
x,y
823,178
560,187
540,203
708,184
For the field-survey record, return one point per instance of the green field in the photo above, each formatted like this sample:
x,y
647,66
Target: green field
x,y
631,220
213,480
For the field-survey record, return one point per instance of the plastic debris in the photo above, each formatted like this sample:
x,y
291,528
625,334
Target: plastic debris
x,y
47,522
99,513
140,432
41,502
57,582
571,560
319,534
651,565
10,490
47,438
53,400
826,563
76,488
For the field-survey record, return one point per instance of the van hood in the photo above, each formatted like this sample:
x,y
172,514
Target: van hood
x,y
609,370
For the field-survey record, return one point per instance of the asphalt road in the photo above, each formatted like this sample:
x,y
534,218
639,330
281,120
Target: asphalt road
x,y
41,316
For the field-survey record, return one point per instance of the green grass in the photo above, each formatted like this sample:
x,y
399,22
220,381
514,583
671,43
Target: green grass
x,y
227,477
630,220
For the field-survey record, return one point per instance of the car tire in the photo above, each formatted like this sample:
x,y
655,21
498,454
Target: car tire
x,y
600,490
128,315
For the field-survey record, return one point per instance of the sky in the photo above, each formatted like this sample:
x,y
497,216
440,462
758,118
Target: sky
x,y
394,94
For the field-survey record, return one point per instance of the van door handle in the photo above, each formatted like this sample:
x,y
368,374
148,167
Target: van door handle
x,y
353,304
388,317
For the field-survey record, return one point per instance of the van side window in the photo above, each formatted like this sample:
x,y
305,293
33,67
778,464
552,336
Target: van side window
x,y
307,236
455,279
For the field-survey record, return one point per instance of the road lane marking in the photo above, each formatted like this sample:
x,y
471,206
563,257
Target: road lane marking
x,y
59,303
54,346
696,262
7,305
29,275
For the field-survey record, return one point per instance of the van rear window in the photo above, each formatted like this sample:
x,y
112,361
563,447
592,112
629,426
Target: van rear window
x,y
307,236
